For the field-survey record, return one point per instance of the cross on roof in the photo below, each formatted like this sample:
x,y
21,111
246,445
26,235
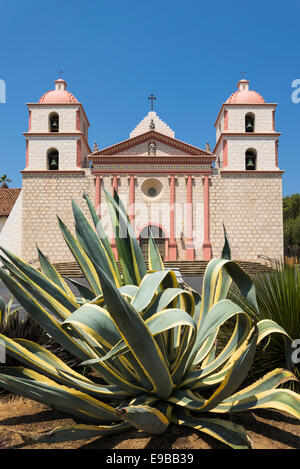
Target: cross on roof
x,y
60,73
152,98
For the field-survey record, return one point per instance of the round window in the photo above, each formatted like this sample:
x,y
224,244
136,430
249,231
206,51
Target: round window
x,y
151,187
152,191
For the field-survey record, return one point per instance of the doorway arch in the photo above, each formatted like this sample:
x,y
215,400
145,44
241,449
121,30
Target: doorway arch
x,y
160,236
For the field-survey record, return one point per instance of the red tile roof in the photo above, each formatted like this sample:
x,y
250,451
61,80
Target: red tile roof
x,y
8,199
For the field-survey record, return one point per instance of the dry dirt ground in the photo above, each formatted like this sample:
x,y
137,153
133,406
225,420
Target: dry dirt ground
x,y
268,430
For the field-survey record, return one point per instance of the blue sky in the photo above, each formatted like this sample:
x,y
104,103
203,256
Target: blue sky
x,y
114,54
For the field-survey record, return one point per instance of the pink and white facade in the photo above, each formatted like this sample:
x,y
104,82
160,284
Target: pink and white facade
x,y
182,193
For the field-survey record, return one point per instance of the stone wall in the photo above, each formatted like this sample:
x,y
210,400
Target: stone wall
x,y
44,196
250,206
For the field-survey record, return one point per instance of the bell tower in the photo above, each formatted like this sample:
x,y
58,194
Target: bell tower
x,y
57,137
246,139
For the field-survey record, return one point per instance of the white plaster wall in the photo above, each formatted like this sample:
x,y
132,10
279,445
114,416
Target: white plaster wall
x,y
220,125
38,147
160,126
263,117
11,234
265,147
40,117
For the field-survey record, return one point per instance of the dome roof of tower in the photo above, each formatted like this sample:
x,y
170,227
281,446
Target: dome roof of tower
x,y
244,95
59,95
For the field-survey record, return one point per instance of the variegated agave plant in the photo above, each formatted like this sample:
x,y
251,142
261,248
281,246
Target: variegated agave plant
x,y
152,343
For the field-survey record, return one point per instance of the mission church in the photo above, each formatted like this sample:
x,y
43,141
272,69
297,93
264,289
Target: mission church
x,y
183,193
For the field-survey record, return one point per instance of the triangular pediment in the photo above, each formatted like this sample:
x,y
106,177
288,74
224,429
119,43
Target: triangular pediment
x,y
139,145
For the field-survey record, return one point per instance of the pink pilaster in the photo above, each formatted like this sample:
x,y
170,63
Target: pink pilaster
x,y
114,188
29,121
98,195
114,184
78,156
225,120
189,246
207,251
225,154
131,210
27,153
78,120
172,243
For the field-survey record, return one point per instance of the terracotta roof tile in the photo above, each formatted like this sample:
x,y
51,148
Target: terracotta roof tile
x,y
8,199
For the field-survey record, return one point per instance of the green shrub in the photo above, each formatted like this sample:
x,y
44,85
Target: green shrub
x,y
278,299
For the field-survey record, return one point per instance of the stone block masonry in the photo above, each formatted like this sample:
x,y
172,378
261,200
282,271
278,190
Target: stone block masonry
x,y
250,206
44,197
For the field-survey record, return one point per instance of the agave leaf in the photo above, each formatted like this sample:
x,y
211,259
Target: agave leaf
x,y
2,310
144,417
149,287
154,258
96,322
73,432
236,371
35,356
94,245
219,313
267,327
84,291
82,259
93,389
160,322
168,297
41,360
33,385
118,374
212,295
128,240
41,282
102,235
241,362
227,432
283,400
270,381
49,270
226,252
42,317
138,337
46,299
242,328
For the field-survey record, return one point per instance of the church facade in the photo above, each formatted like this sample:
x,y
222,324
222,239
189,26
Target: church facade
x,y
183,193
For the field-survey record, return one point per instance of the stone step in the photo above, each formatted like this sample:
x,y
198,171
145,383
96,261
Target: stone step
x,y
187,268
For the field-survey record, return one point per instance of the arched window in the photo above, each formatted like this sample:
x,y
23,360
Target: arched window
x,y
52,159
249,122
54,122
250,159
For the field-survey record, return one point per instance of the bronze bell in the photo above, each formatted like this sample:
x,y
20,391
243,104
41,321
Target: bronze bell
x,y
250,164
53,163
249,127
